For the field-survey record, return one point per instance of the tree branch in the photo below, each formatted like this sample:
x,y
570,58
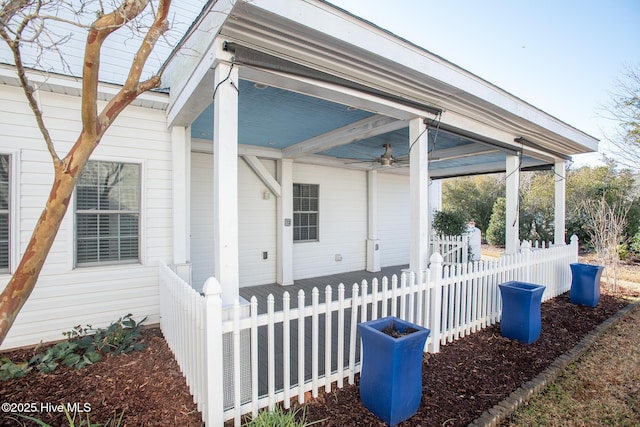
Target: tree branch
x,y
14,46
132,86
105,25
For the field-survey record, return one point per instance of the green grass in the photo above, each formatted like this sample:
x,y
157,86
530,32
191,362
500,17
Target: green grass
x,y
601,389
280,417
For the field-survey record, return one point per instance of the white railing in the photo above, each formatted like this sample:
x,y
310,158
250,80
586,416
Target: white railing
x,y
452,301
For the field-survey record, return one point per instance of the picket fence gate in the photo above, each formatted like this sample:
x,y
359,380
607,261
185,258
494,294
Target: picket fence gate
x,y
454,249
237,361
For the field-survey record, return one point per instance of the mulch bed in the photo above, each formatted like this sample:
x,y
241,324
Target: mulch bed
x,y
475,373
459,383
147,385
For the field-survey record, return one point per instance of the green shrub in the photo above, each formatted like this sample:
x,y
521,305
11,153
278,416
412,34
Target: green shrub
x,y
83,346
634,244
498,223
120,337
9,370
624,252
450,222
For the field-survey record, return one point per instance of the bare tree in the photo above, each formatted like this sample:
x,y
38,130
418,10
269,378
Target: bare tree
x,y
624,110
606,227
25,21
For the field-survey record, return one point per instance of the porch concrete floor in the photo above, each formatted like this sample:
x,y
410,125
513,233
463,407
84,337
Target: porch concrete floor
x,y
261,292
307,285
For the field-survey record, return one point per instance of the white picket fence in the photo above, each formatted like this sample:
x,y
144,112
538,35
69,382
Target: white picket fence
x,y
237,361
454,249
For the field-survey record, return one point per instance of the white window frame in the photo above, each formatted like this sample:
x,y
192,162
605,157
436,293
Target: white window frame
x,y
13,211
141,260
317,212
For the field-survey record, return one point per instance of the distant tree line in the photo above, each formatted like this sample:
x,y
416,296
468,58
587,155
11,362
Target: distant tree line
x,y
482,199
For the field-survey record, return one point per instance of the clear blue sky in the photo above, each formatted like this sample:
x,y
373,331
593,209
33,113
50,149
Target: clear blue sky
x,y
562,56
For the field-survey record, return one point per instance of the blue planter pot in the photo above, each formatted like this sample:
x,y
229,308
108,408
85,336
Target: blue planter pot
x,y
521,319
585,284
391,375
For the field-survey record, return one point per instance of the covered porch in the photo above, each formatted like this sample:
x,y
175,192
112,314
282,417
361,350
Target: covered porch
x,y
309,98
309,143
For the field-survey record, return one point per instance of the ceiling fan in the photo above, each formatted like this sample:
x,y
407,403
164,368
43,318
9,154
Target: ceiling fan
x,y
387,158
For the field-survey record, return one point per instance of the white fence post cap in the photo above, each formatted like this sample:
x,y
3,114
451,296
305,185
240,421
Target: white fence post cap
x,y
436,258
212,287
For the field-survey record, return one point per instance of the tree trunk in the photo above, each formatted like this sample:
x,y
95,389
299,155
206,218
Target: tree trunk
x,y
26,275
95,125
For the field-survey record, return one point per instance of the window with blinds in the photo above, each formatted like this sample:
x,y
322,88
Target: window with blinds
x,y
305,212
5,199
108,214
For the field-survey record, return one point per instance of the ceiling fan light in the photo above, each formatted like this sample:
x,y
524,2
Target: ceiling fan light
x,y
386,161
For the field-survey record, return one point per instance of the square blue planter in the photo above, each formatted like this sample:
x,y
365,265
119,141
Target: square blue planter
x,y
391,375
521,319
585,284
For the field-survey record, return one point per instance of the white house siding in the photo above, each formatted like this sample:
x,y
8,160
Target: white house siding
x,y
393,219
257,226
256,223
66,296
342,222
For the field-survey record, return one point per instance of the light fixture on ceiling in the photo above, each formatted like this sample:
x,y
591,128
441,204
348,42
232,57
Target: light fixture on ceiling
x,y
260,86
350,108
386,159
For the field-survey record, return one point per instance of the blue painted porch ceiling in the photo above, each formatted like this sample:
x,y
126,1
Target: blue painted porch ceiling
x,y
372,148
276,118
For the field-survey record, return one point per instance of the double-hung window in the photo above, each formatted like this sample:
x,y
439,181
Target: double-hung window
x,y
108,214
5,199
305,212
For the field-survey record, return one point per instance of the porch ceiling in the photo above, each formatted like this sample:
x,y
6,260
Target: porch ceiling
x,y
314,130
294,61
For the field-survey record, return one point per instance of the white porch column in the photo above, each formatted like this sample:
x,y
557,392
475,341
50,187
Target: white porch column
x,y
512,238
435,197
373,244
181,171
559,206
435,204
225,181
284,256
419,195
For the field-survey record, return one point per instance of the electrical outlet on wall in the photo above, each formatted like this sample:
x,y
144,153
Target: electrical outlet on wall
x,y
338,257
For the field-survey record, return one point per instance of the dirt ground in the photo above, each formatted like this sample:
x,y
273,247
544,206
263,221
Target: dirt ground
x,y
459,383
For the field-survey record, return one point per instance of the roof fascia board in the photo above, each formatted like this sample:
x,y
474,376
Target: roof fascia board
x,y
334,22
190,63
470,150
254,58
485,168
197,92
